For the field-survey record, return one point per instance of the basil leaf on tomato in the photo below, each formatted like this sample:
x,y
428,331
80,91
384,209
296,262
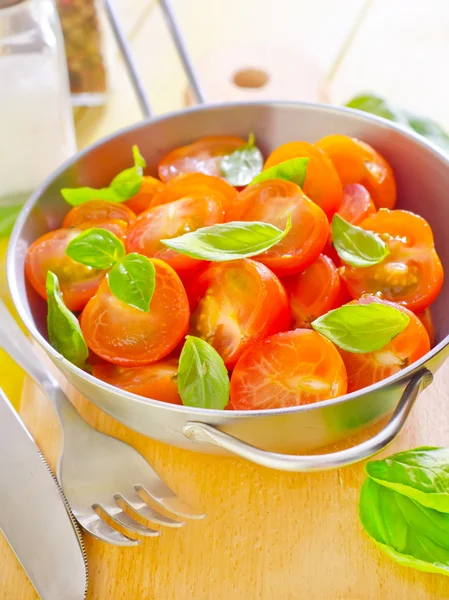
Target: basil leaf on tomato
x,y
294,170
356,246
96,248
241,166
133,280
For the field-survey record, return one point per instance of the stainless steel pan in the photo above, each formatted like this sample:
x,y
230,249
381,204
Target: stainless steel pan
x,y
265,437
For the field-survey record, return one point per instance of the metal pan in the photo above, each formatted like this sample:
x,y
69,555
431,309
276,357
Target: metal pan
x,y
272,438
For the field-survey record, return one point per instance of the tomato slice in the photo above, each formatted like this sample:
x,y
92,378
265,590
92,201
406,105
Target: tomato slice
x,y
288,369
197,183
202,156
169,221
149,188
356,205
271,202
97,211
127,336
157,381
402,351
411,274
357,162
236,303
314,292
78,283
322,184
426,319
115,226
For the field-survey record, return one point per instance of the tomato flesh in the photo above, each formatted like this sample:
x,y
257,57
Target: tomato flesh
x,y
288,369
403,350
203,156
356,205
157,381
149,188
426,319
97,211
125,335
411,274
271,202
236,303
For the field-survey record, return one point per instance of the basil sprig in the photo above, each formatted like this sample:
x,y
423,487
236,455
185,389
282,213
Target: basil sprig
x,y
96,248
293,170
125,185
229,241
240,167
203,380
362,328
356,246
64,331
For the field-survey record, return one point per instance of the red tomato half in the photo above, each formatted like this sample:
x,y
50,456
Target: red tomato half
x,y
426,319
127,336
236,303
356,204
202,156
322,184
271,202
97,211
156,381
288,369
314,292
169,221
402,351
411,274
149,188
357,162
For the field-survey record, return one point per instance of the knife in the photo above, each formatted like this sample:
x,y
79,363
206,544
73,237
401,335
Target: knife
x,y
35,516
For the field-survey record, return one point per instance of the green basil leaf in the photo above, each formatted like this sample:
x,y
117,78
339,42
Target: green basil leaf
x,y
203,380
133,280
421,474
362,328
293,170
8,216
125,185
356,246
64,332
97,248
240,167
411,534
229,241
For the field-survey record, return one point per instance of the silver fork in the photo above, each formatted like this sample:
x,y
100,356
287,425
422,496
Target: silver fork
x,y
98,473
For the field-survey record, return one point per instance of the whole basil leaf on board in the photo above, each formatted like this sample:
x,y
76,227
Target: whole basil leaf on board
x,y
125,185
8,216
361,328
64,331
421,474
132,280
229,241
203,380
96,248
294,170
241,166
411,534
356,246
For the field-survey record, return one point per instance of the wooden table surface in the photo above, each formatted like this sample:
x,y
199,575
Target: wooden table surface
x,y
268,535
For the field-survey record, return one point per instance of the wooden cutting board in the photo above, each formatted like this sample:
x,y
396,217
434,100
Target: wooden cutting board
x,y
268,535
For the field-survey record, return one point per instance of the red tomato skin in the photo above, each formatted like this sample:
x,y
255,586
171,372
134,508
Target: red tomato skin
x,y
149,188
97,211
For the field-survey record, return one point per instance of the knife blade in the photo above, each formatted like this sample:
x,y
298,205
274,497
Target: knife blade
x,y
35,516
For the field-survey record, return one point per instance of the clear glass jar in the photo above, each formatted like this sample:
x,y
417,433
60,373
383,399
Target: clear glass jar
x,y
36,121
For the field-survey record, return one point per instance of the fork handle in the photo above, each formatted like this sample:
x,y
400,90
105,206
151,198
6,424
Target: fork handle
x,y
16,344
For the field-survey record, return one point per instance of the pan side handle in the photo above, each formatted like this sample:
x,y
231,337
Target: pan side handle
x,y
200,432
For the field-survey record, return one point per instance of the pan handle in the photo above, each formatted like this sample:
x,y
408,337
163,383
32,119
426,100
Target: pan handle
x,y
200,432
130,63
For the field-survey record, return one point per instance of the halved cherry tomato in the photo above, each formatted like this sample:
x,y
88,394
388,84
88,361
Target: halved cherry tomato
x,y
150,186
156,381
236,303
426,319
169,221
115,226
356,204
97,211
322,184
357,162
288,369
271,202
197,183
402,351
202,156
411,274
78,283
314,292
127,336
